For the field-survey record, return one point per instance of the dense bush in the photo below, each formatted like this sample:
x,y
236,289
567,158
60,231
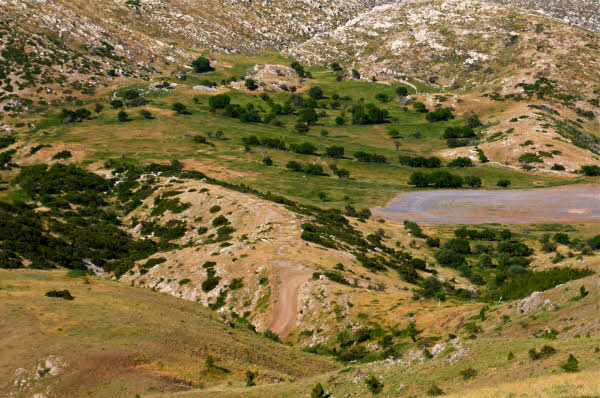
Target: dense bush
x,y
440,115
420,161
63,294
438,179
368,114
461,162
369,157
522,285
591,171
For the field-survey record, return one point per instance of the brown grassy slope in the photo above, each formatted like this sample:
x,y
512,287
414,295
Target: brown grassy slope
x,y
114,340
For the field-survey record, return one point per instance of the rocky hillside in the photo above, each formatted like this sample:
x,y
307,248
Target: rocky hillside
x,y
461,44
161,31
585,13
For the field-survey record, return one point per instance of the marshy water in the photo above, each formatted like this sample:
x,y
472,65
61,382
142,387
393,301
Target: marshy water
x,y
566,204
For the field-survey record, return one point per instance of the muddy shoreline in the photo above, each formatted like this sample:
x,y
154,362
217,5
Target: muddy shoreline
x,y
565,204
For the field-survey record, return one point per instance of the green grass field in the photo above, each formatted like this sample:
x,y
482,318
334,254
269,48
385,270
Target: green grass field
x,y
162,138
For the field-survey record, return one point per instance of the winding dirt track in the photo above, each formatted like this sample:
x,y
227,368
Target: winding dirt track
x,y
567,204
291,278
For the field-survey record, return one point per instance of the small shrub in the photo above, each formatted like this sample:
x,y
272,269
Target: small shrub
x,y
215,209
250,376
373,384
272,335
434,391
220,220
571,366
468,373
504,183
184,281
62,155
63,294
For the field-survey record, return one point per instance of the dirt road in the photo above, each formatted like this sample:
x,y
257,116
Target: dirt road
x,y
291,276
568,204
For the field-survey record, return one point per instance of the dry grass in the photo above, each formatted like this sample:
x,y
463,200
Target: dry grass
x,y
117,340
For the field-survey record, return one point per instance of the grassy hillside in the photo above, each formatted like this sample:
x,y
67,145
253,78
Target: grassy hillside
x,y
115,340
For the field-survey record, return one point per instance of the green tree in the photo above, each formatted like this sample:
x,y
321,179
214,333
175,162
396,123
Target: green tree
x,y
250,376
122,116
412,331
373,384
571,366
179,108
319,392
315,93
251,84
201,65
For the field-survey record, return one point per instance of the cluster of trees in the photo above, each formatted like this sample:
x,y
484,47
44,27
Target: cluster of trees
x,y
459,135
67,234
368,114
437,179
310,169
367,157
420,161
440,115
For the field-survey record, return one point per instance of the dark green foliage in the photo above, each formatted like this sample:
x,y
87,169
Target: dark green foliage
x,y
545,352
294,166
591,171
173,229
7,140
440,115
572,364
201,65
558,167
298,68
271,335
439,179
184,281
459,132
473,182
414,228
37,148
211,280
434,390
431,287
335,151
315,93
420,161
481,156
122,116
220,220
219,101
161,204
503,183
62,155
368,114
373,384
308,116
319,392
180,108
522,285
251,84
88,233
468,373
306,148
461,162
215,209
420,107
63,294
369,157
529,157
594,242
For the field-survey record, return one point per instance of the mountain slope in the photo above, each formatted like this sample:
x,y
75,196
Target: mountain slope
x,y
113,340
584,13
